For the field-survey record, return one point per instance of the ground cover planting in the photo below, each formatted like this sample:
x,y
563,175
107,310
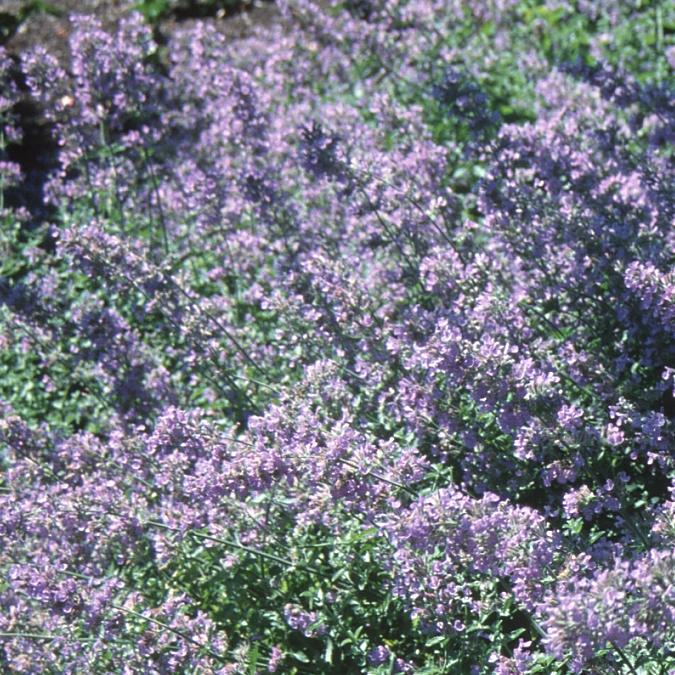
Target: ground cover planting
x,y
347,347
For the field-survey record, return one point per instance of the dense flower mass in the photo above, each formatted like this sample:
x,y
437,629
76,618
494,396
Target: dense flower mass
x,y
347,346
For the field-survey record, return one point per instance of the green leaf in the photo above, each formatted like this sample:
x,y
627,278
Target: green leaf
x,y
299,656
328,654
253,656
435,640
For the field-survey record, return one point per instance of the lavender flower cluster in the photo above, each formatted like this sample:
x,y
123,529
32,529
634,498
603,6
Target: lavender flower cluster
x,y
329,361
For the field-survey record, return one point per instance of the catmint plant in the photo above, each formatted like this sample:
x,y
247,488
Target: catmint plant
x,y
344,347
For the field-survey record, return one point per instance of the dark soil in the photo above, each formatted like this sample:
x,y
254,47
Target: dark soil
x,y
49,25
25,23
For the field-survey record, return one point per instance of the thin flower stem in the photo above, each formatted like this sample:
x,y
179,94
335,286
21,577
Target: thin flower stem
x,y
192,304
415,203
165,626
623,657
49,636
31,636
209,351
379,477
160,208
394,238
237,545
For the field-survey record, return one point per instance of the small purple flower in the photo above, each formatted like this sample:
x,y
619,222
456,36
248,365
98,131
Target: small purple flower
x,y
615,435
276,657
570,416
301,620
379,655
321,152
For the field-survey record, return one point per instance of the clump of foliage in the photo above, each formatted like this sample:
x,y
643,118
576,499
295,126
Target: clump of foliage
x,y
347,347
